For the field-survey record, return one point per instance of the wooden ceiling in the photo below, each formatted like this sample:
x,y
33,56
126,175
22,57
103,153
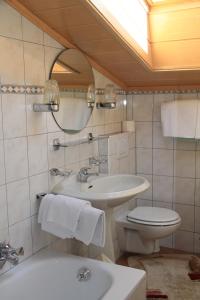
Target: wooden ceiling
x,y
174,59
168,2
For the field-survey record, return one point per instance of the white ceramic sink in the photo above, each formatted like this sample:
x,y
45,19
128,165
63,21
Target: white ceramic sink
x,y
103,191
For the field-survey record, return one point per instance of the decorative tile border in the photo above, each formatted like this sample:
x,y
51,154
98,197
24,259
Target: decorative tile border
x,y
39,90
70,90
175,91
100,91
21,89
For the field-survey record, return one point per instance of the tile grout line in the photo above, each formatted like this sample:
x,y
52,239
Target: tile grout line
x,y
153,110
5,183
195,198
27,144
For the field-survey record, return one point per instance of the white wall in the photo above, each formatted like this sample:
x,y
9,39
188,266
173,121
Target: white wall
x,y
26,154
172,166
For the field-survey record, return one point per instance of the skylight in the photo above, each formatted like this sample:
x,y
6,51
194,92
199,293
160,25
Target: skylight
x,y
60,68
130,15
156,1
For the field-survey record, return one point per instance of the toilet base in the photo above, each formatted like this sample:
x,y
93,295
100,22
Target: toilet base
x,y
141,238
131,241
136,244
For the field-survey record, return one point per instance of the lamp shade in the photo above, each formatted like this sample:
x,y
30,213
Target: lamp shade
x,y
51,92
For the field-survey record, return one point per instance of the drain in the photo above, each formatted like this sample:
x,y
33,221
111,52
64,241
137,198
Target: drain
x,y
84,274
90,186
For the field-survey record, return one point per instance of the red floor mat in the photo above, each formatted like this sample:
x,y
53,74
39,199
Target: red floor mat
x,y
155,294
194,276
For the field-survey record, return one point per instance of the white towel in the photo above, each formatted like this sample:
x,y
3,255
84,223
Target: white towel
x,y
179,118
197,134
59,214
122,146
68,217
91,226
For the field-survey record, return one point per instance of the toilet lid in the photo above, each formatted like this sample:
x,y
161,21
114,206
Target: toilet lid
x,y
156,215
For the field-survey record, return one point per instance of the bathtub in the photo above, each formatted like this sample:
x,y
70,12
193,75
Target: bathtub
x,y
52,275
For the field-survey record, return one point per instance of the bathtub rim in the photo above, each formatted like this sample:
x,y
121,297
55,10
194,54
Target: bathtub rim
x,y
125,280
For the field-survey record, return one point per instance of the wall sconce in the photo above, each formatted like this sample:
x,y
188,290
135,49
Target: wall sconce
x,y
91,96
110,96
51,98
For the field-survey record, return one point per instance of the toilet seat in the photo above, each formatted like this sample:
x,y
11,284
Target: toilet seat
x,y
153,216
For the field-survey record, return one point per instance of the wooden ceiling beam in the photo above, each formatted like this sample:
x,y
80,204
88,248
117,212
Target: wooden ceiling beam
x,y
121,37
108,51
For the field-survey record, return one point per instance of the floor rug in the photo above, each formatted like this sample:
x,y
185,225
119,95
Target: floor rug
x,y
169,274
155,294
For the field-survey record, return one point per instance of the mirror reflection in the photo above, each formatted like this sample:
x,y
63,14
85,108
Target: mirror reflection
x,y
75,78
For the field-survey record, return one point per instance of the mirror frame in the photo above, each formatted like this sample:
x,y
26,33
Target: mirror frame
x,y
71,131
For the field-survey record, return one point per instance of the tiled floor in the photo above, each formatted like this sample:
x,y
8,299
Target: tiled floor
x,y
123,260
184,287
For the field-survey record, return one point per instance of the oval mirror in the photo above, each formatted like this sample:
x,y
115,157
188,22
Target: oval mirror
x,y
75,78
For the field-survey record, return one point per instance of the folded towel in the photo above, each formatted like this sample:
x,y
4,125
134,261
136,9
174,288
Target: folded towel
x,y
197,134
68,217
48,226
59,214
57,230
91,226
123,146
179,118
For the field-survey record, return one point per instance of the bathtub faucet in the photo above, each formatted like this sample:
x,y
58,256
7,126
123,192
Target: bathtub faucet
x,y
10,254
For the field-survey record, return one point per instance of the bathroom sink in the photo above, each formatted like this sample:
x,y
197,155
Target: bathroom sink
x,y
103,191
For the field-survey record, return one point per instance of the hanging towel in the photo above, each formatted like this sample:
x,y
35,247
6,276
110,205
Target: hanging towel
x,y
60,214
68,217
122,146
197,135
91,226
179,118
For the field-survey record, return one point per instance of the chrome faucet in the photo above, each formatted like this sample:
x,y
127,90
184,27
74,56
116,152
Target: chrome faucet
x,y
56,172
10,254
83,174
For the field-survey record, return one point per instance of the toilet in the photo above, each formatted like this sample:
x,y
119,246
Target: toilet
x,y
140,229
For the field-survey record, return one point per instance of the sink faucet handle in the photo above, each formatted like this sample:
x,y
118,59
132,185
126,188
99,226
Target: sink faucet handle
x,y
84,170
94,161
56,172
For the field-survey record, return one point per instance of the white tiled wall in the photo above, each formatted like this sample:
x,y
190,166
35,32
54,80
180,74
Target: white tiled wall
x,y
119,150
121,153
26,153
121,160
171,165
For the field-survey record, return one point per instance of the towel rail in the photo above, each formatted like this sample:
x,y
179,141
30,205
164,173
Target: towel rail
x,y
56,143
39,196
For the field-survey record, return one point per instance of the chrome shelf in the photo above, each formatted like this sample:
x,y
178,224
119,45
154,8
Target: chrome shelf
x,y
106,105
